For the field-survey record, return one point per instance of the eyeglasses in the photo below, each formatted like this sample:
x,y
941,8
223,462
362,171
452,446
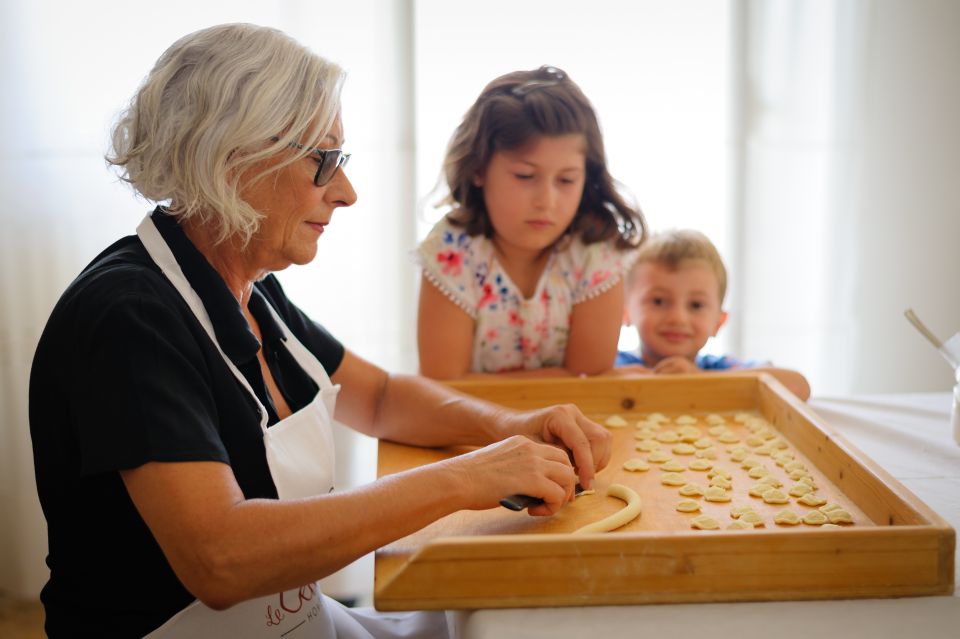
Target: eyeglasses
x,y
554,76
328,161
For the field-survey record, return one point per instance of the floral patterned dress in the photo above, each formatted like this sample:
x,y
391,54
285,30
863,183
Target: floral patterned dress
x,y
513,332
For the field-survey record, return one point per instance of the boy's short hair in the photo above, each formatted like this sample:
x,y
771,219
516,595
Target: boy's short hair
x,y
672,248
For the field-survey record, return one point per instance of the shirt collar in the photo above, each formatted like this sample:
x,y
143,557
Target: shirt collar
x,y
230,326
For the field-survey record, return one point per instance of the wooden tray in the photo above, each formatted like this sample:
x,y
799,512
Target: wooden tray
x,y
497,558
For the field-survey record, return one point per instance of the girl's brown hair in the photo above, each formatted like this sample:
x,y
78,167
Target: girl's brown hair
x,y
513,110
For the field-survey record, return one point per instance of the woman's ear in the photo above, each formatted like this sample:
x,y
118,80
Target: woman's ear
x,y
478,180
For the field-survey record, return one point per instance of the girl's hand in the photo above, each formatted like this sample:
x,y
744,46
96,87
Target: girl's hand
x,y
675,365
585,442
516,465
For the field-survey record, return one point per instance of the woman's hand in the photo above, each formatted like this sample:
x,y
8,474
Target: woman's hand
x,y
516,465
585,443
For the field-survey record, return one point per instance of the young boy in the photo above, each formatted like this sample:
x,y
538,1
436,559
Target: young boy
x,y
674,297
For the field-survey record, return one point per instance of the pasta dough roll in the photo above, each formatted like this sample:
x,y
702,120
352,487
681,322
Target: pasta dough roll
x,y
620,518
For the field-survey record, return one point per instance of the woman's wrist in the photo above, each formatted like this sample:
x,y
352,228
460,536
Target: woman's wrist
x,y
506,423
455,481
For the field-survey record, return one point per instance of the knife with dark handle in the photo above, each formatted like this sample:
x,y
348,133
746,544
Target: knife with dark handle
x,y
519,502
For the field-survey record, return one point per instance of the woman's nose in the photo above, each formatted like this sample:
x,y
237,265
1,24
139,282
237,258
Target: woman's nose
x,y
340,189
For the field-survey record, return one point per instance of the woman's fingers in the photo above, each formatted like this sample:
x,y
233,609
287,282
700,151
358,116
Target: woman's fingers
x,y
519,465
559,488
601,441
574,447
588,442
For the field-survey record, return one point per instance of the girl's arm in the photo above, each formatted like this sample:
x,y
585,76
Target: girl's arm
x,y
594,333
444,335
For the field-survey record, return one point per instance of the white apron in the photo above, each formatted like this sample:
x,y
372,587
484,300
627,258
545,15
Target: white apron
x,y
300,455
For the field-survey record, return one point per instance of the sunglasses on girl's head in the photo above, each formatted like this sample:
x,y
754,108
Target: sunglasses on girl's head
x,y
549,76
328,161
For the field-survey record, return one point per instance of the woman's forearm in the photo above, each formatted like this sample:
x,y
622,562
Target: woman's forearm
x,y
423,412
226,549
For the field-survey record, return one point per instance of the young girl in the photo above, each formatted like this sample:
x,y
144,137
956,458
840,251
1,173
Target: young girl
x,y
524,276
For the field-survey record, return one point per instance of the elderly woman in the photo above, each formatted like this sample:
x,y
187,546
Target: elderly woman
x,y
180,403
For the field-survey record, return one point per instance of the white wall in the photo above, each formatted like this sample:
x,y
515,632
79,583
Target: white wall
x,y
850,192
908,242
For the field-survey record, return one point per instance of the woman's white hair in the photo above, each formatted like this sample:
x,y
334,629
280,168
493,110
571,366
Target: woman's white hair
x,y
216,103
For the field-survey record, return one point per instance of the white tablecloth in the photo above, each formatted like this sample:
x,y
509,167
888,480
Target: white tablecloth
x,y
910,436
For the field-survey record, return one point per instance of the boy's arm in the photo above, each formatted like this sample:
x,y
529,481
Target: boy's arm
x,y
794,381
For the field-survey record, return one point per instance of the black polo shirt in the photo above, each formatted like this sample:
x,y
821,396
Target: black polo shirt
x,y
124,374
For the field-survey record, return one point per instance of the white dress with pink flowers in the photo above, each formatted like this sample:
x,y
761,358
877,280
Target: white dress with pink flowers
x,y
511,332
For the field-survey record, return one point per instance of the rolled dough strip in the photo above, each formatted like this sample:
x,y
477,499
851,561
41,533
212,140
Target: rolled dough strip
x,y
620,518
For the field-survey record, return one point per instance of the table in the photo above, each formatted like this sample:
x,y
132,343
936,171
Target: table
x,y
910,436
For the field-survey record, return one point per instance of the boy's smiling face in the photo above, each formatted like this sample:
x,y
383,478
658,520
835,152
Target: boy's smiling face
x,y
675,310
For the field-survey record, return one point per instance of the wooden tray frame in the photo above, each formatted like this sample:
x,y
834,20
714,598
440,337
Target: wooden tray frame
x,y
909,551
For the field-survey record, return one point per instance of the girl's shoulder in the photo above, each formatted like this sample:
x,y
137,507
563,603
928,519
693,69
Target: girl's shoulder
x,y
455,263
447,236
574,250
591,269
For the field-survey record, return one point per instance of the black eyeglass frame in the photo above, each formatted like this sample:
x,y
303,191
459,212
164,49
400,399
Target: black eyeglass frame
x,y
329,161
